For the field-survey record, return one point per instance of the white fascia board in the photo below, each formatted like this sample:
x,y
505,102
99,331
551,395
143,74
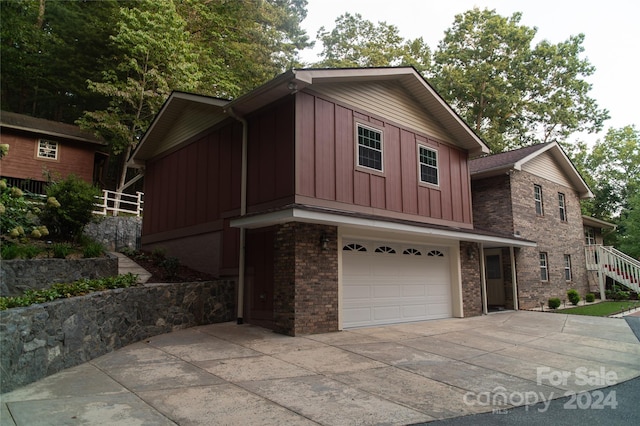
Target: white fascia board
x,y
301,215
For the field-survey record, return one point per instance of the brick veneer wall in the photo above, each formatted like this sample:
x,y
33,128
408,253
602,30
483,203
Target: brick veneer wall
x,y
305,279
471,283
492,210
553,236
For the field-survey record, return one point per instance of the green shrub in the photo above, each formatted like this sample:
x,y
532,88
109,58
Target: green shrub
x,y
93,249
573,295
9,251
554,303
61,250
19,213
617,293
69,206
61,290
590,297
158,255
171,265
29,251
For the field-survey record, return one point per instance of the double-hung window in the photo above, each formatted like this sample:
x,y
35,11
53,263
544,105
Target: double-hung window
x,y
562,207
567,267
537,195
47,149
428,165
369,148
589,236
544,267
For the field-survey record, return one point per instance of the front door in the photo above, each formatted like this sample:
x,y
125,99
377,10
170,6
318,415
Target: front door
x,y
495,277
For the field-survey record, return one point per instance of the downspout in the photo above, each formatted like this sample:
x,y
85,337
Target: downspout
x,y
243,211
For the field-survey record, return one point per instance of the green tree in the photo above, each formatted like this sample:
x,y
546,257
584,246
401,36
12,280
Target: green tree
x,y
242,44
510,93
356,42
154,56
612,169
629,228
48,50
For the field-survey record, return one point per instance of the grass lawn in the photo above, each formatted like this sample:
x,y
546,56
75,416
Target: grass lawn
x,y
602,309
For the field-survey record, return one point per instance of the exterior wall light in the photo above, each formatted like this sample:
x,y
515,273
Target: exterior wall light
x,y
324,241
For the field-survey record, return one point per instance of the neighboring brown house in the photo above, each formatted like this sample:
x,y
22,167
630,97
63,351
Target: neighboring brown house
x,y
534,193
336,197
40,148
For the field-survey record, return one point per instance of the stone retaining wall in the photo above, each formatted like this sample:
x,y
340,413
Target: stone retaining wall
x,y
116,232
40,340
19,275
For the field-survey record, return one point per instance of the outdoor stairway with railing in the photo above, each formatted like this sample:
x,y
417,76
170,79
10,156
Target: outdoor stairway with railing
x,y
614,264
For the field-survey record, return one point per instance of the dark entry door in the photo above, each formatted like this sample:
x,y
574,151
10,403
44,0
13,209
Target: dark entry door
x,y
259,283
495,279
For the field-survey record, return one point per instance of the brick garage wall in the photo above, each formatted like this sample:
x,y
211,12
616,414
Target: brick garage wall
x,y
553,236
306,279
471,282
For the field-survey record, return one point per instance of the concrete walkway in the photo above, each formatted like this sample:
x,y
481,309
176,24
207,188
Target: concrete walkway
x,y
126,266
228,374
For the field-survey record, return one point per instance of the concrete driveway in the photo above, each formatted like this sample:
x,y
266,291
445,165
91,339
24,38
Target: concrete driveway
x,y
226,374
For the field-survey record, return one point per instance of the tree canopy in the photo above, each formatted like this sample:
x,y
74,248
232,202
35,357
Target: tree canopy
x,y
612,169
510,92
356,42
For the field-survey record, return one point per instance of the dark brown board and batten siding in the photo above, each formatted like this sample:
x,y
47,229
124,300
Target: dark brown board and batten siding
x,y
327,171
195,189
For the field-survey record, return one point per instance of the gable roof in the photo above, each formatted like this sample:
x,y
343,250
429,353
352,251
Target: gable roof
x,y
162,135
295,80
493,165
182,115
42,127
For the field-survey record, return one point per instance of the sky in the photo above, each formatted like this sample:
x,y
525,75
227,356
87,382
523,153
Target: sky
x,y
611,29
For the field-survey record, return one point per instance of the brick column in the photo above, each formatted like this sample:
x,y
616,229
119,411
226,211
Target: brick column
x,y
306,279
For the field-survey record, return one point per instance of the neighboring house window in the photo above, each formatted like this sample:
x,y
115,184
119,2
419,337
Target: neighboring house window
x,y
562,206
428,165
537,195
544,267
47,149
567,267
589,236
369,148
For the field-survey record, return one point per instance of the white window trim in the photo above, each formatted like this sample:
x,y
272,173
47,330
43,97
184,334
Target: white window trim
x,y
545,267
589,236
437,166
567,268
56,150
541,200
562,206
357,148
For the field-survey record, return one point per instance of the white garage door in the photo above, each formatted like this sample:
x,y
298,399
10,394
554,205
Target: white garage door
x,y
386,283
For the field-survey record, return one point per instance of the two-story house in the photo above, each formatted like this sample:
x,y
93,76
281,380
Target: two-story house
x,y
535,193
39,149
336,197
